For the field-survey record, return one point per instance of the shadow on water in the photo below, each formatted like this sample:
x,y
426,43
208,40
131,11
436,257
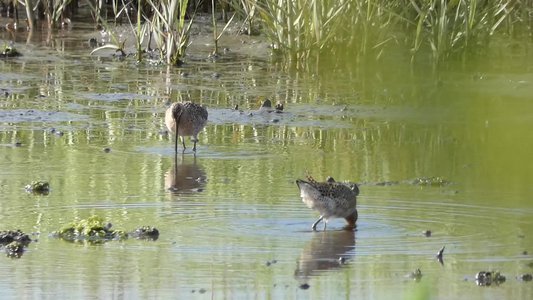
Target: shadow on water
x,y
185,178
327,250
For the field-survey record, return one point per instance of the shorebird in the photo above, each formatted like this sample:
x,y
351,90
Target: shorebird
x,y
331,199
191,119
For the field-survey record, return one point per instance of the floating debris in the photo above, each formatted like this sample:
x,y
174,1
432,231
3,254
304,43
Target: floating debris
x,y
439,255
427,233
270,262
14,242
266,106
416,275
421,181
484,278
9,236
145,233
9,51
93,43
525,277
107,149
430,181
342,260
14,249
387,183
38,187
304,286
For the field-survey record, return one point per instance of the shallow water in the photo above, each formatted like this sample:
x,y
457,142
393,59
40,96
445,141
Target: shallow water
x,y
233,225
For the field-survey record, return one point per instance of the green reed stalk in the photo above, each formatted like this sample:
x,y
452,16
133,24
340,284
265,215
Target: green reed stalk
x,y
171,32
449,27
215,40
216,35
300,28
29,14
246,10
140,34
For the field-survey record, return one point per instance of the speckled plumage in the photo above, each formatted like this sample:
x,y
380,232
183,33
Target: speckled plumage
x,y
331,199
191,119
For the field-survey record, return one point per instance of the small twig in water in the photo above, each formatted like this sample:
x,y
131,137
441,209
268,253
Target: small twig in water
x,y
439,255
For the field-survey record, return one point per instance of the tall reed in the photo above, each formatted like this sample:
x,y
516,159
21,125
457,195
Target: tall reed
x,y
299,27
216,35
171,30
246,10
451,26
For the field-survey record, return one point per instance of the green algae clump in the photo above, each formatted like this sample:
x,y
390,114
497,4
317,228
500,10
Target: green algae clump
x,y
8,236
430,181
38,187
94,230
14,249
14,242
9,51
91,229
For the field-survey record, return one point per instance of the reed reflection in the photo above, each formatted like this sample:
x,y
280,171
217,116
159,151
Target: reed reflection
x,y
185,177
327,250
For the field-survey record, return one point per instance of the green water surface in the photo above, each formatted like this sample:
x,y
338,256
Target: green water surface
x,y
235,226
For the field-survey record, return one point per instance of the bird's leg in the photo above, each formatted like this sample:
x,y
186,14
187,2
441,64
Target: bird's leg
x,y
316,223
176,142
183,142
325,224
194,139
177,118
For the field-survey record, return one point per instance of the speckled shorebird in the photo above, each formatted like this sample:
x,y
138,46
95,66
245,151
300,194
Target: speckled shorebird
x,y
191,119
331,199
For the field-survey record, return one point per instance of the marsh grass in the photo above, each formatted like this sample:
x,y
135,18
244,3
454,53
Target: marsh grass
x,y
303,28
166,26
216,35
300,27
246,10
303,31
170,28
452,26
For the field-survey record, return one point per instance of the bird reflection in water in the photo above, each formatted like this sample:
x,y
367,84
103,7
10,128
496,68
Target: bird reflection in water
x,y
185,177
327,250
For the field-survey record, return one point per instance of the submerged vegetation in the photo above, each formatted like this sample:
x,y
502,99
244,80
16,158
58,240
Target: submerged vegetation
x,y
14,242
302,29
95,230
361,27
38,187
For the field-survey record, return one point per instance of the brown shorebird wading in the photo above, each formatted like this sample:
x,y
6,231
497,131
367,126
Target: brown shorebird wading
x,y
191,119
331,199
